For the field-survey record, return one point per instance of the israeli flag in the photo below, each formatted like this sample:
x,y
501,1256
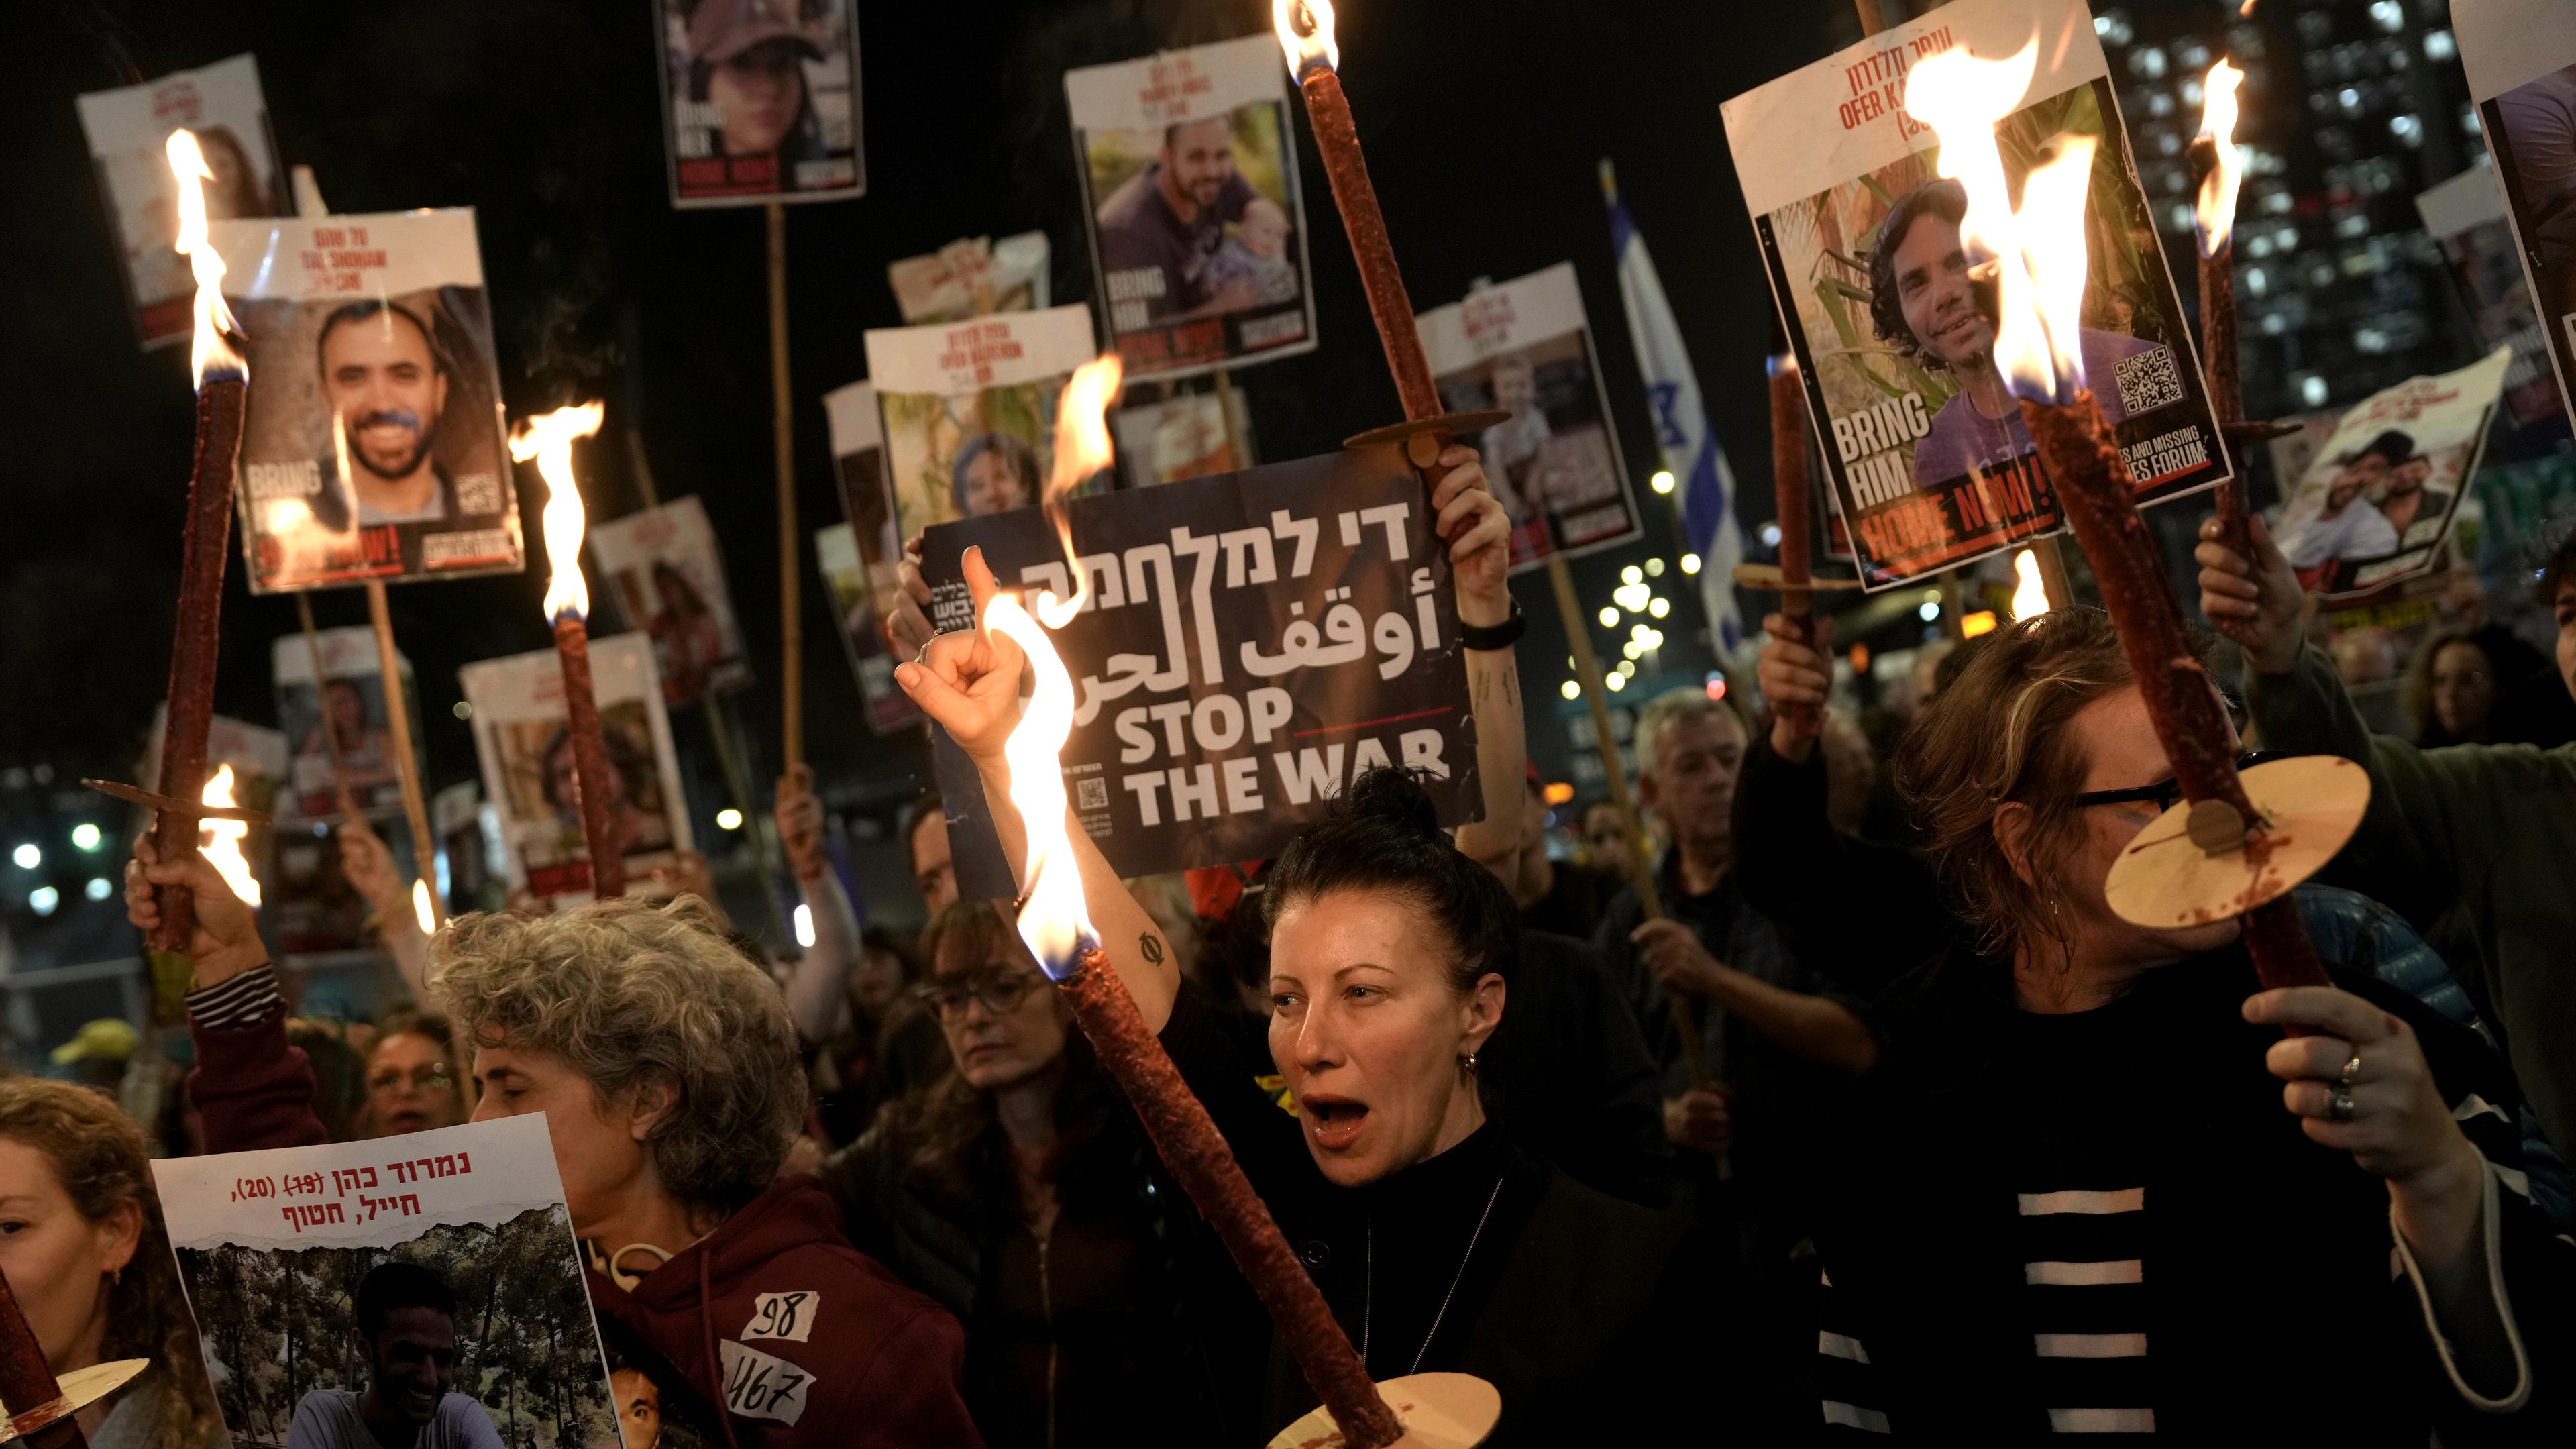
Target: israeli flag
x,y
1707,484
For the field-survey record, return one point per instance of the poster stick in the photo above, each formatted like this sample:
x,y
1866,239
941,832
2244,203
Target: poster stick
x,y
1225,409
1587,669
330,737
398,713
791,675
2050,553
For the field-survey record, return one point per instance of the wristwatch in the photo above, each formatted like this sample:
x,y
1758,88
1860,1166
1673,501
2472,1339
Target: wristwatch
x,y
1495,636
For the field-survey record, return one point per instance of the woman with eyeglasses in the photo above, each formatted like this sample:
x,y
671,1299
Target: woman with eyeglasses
x,y
1020,1192
2093,1186
412,1081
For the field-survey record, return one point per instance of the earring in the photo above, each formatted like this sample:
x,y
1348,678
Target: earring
x,y
1467,1063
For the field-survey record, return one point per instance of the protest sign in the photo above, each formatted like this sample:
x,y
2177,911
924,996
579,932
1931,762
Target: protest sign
x,y
372,445
462,1224
670,581
836,554
2373,504
348,706
2520,57
968,410
128,129
1860,236
1183,437
1252,642
2466,217
1524,348
972,277
528,771
760,101
859,558
1189,189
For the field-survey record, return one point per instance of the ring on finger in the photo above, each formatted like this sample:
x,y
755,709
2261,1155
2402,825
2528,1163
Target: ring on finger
x,y
2351,1070
2339,1105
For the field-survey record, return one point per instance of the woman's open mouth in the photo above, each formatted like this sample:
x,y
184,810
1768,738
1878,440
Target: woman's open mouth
x,y
1334,1122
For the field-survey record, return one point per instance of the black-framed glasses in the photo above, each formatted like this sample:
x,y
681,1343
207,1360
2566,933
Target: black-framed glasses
x,y
2164,793
1001,994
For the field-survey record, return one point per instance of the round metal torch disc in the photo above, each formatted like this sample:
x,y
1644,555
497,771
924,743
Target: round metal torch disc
x,y
2163,880
1438,1411
81,1388
1456,425
1765,577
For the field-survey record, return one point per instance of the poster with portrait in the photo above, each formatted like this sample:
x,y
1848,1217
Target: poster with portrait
x,y
2373,504
859,557
1189,188
2520,57
1860,235
431,1279
972,277
1184,437
967,411
2465,216
128,130
1524,348
1254,641
669,578
528,771
346,710
760,101
372,446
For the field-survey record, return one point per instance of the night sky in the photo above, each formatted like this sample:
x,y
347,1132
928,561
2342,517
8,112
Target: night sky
x,y
1483,123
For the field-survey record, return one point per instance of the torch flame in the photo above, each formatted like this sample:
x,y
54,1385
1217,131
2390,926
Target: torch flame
x,y
420,908
2038,252
1306,32
549,440
220,841
2030,596
212,354
1081,449
2216,213
1055,920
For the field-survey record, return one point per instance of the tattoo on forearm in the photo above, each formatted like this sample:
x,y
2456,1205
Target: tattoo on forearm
x,y
1152,946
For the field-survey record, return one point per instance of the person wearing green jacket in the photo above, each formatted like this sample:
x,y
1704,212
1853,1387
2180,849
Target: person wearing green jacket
x,y
2475,844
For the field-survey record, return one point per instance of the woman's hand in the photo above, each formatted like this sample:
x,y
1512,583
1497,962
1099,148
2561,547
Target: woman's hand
x,y
1467,514
226,940
969,679
369,865
1790,672
2256,601
2361,1085
908,631
800,823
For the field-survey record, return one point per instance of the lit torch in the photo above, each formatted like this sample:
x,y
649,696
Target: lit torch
x,y
2214,219
1055,921
2030,596
222,379
220,839
2246,858
549,440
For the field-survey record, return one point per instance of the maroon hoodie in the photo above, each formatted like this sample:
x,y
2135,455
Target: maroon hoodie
x,y
804,1339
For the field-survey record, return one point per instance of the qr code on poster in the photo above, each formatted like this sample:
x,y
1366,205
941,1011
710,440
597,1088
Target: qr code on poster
x,y
2148,381
478,493
1091,794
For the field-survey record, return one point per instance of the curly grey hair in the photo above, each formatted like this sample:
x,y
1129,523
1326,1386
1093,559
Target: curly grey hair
x,y
632,996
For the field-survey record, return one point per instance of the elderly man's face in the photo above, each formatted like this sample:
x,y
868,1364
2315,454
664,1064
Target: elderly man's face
x,y
1199,158
1932,284
386,389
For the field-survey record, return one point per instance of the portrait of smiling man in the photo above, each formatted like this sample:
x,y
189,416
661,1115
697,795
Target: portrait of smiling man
x,y
406,1335
386,382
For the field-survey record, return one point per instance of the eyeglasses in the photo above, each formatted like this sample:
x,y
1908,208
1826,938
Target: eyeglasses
x,y
435,1077
2165,793
1000,994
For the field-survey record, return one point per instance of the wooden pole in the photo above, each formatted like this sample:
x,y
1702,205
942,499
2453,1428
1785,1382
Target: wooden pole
x,y
322,700
791,673
398,717
1225,409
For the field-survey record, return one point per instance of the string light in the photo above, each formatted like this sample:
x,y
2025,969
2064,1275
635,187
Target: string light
x,y
1570,690
1663,480
1690,563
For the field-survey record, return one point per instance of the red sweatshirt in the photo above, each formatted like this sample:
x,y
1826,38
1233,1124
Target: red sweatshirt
x,y
804,1339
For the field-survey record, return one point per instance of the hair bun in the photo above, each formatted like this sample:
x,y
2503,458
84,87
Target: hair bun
x,y
1396,796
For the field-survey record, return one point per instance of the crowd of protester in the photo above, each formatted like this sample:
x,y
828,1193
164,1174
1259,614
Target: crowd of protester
x,y
1854,1109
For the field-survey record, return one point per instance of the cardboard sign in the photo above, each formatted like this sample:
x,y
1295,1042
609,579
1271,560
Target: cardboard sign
x,y
2520,57
1923,446
669,578
528,771
859,558
1253,641
760,101
276,1248
972,277
1184,437
1190,198
1524,348
128,130
967,411
2466,217
372,447
2374,503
